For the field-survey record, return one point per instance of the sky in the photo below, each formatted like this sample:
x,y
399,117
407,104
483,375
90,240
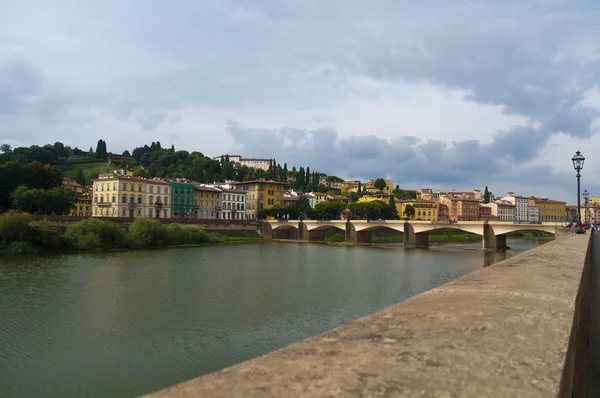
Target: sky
x,y
436,93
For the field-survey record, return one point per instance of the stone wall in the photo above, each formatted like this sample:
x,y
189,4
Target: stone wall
x,y
515,329
247,228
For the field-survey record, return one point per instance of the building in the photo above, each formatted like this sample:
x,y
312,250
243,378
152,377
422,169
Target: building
x,y
119,195
261,194
572,214
312,199
332,182
389,186
319,197
461,208
384,197
533,214
350,186
550,210
521,206
338,198
256,163
83,205
443,212
424,209
207,202
183,198
233,204
485,213
114,158
503,210
289,199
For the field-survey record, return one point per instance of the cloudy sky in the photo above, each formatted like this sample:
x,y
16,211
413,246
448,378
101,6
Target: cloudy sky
x,y
435,93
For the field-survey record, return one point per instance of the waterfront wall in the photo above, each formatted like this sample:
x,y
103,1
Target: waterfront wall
x,y
515,329
247,228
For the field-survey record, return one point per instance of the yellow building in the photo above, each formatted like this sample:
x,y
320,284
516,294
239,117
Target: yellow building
x,y
384,197
550,210
261,194
389,186
120,195
83,204
426,210
208,203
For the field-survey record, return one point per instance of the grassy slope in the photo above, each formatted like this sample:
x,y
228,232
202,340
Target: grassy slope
x,y
90,169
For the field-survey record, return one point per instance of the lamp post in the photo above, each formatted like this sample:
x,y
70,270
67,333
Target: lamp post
x,y
586,196
578,160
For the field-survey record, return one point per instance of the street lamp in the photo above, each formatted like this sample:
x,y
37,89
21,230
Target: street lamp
x,y
586,196
578,160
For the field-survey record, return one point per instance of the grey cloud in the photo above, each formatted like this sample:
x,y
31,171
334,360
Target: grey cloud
x,y
18,78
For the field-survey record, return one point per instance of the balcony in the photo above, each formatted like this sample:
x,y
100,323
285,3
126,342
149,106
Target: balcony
x,y
158,204
103,204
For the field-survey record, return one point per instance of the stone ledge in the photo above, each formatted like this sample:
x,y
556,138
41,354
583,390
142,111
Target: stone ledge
x,y
502,331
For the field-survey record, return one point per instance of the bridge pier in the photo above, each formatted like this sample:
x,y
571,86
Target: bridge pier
x,y
302,232
350,233
364,237
412,239
491,241
267,230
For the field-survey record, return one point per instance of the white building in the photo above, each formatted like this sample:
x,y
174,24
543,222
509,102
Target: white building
x,y
521,207
505,211
256,163
233,205
533,214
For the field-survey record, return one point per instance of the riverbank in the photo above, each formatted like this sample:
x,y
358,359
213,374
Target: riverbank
x,y
19,237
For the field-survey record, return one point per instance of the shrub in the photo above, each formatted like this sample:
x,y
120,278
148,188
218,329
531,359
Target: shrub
x,y
14,226
177,235
145,232
19,247
336,238
94,234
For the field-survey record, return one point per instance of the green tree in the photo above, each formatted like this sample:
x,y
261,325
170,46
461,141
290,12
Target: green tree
x,y
145,232
330,210
409,211
33,175
80,177
57,201
380,184
5,148
285,172
126,153
486,195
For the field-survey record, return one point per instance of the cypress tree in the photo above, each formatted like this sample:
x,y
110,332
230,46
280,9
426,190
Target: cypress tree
x,y
285,172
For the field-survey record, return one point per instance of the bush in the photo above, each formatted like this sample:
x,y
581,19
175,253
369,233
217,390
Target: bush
x,y
46,237
146,232
336,238
94,234
19,247
14,226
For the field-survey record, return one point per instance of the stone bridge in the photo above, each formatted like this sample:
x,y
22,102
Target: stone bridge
x,y
415,233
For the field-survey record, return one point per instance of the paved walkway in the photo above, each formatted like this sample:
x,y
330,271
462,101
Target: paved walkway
x,y
593,371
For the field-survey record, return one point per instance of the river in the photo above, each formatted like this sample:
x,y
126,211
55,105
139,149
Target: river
x,y
120,324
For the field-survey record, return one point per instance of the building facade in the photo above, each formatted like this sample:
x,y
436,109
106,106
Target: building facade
x,y
521,206
183,199
261,194
83,205
503,210
233,205
533,214
550,210
127,196
426,210
208,202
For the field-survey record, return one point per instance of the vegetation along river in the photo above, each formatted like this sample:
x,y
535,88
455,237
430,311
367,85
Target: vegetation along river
x,y
120,324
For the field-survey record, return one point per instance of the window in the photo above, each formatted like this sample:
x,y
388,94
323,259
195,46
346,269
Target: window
x,y
157,189
166,200
151,200
139,200
96,211
166,191
124,212
151,189
95,199
114,199
124,199
114,186
101,199
165,213
139,212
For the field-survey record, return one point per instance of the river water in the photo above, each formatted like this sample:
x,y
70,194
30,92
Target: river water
x,y
121,324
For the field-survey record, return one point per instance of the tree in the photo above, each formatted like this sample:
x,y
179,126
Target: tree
x,y
126,153
330,210
34,175
5,148
486,195
285,172
80,178
101,152
172,148
56,201
380,184
393,211
226,158
409,211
